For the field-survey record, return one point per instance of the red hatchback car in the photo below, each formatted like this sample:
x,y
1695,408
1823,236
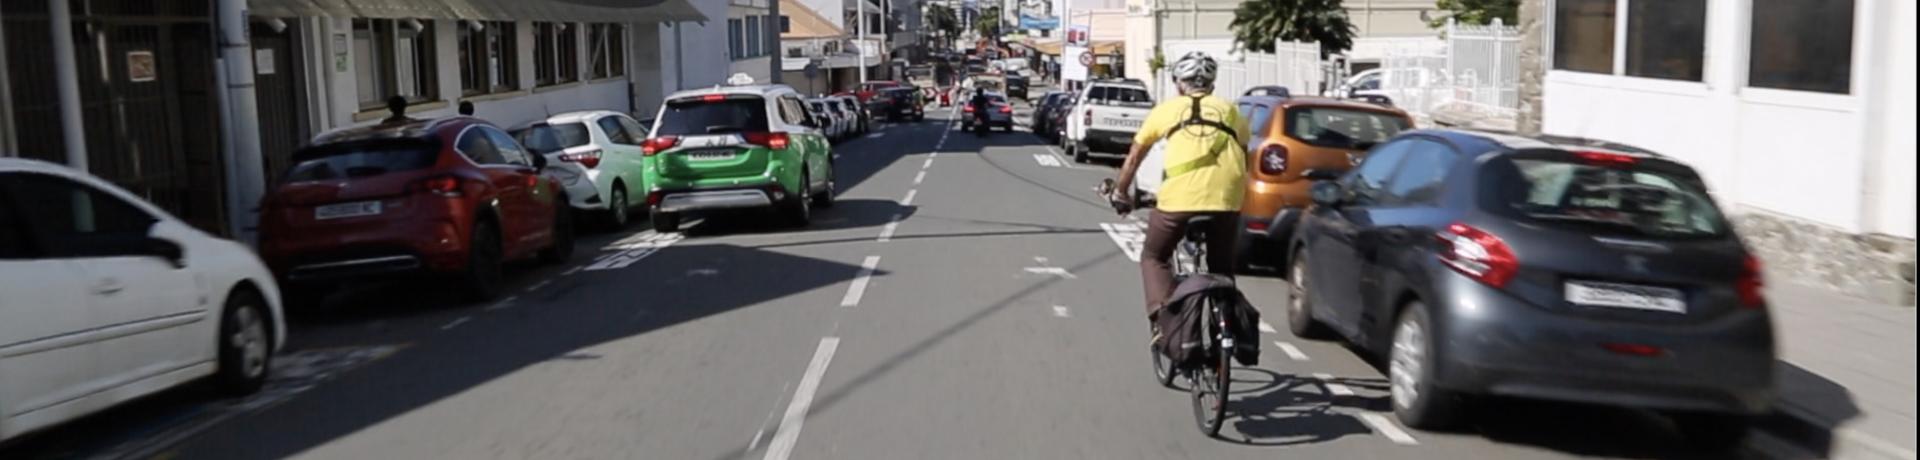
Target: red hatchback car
x,y
453,197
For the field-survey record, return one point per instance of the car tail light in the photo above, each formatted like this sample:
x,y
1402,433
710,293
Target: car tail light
x,y
969,109
1633,349
1479,255
1606,159
1086,118
533,180
448,186
590,158
654,198
713,98
1273,159
1006,109
1257,225
776,141
654,146
1752,284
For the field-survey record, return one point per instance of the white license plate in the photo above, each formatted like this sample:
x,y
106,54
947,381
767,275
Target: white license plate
x,y
336,211
1628,296
711,155
1124,123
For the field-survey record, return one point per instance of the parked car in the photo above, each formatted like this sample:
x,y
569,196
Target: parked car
x,y
1016,86
109,299
454,198
1547,268
868,89
1042,113
897,104
1000,115
596,156
857,120
1057,120
1290,136
1105,120
738,147
834,123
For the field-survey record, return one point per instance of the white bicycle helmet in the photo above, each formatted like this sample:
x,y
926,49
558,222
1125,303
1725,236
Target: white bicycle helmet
x,y
1196,68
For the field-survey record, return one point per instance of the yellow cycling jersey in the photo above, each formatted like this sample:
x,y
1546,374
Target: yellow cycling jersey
x,y
1207,170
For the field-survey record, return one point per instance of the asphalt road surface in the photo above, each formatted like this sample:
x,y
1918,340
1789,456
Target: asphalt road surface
x,y
968,298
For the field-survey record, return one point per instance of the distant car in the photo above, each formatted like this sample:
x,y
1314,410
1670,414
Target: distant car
x,y
858,121
999,114
596,156
737,147
1042,122
897,104
1549,268
1016,86
454,198
868,89
834,124
109,299
1057,120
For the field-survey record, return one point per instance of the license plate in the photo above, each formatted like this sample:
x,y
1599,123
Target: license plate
x,y
1124,123
1614,295
336,211
709,155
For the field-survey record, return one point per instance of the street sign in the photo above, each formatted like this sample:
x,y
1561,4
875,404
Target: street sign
x,y
1077,57
1086,59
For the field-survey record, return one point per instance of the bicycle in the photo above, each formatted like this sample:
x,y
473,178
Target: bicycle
x,y
1208,385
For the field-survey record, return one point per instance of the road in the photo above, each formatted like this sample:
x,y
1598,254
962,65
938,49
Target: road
x,y
968,298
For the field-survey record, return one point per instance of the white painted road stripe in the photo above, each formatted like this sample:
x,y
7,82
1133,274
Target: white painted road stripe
x,y
886,233
1128,236
1335,388
909,200
927,164
503,303
919,177
1046,160
859,287
1292,351
634,252
1387,428
1267,328
789,432
1061,311
456,323
875,135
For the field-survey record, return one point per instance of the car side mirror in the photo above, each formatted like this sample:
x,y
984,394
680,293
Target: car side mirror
x,y
160,248
1320,175
539,160
1328,194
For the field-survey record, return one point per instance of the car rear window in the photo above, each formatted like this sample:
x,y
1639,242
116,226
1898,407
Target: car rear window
x,y
365,159
554,138
734,114
1120,96
1343,128
1663,201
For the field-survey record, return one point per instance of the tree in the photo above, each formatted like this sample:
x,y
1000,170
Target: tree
x,y
988,24
1257,23
941,20
1478,12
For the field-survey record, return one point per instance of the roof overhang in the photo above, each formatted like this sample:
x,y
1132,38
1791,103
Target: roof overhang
x,y
488,10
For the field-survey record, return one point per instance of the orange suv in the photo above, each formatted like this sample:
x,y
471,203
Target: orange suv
x,y
1291,137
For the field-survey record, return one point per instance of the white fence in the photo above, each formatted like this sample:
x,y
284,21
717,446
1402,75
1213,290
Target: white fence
x,y
1477,72
1295,65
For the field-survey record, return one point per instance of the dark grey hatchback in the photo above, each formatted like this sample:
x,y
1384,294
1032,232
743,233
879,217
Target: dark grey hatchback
x,y
1547,268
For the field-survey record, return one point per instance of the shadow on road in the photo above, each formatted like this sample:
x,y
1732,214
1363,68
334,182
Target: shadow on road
x,y
1279,410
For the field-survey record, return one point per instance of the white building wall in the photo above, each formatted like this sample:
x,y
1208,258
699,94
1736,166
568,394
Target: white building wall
x,y
1798,154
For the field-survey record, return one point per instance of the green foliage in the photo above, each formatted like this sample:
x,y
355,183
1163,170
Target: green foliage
x,y
1257,23
1478,12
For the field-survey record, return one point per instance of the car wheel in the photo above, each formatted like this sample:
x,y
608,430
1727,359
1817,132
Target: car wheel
x,y
1712,433
481,281
618,208
1080,155
824,199
246,344
1417,402
1300,304
666,222
799,210
562,248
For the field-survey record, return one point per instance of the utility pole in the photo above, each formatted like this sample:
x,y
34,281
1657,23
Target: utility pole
x,y
861,9
773,43
66,82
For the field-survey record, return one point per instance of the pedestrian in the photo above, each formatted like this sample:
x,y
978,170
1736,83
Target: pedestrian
x,y
466,108
397,109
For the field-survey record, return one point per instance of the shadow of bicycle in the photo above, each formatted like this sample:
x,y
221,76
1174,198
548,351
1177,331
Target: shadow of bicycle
x,y
1274,410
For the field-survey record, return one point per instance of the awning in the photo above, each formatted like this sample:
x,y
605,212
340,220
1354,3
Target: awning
x,y
487,10
1100,47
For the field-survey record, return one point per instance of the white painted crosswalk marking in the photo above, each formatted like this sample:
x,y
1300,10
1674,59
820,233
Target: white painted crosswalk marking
x,y
633,249
1129,236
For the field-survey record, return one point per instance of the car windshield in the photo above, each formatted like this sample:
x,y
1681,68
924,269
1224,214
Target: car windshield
x,y
553,138
698,116
1120,96
1636,201
1343,128
366,159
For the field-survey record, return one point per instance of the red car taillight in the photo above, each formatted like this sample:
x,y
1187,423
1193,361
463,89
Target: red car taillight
x,y
1609,160
1479,255
1752,285
448,186
1006,109
1273,159
776,141
590,158
654,146
1086,118
969,109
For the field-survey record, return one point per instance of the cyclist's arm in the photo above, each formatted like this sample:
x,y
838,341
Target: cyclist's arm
x,y
1151,132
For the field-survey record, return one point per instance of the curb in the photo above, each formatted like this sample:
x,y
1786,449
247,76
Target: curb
x,y
1813,437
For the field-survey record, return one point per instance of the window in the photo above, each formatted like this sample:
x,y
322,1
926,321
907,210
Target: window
x,y
608,45
475,145
394,57
634,130
1419,176
1583,35
13,231
754,40
797,52
75,220
695,117
556,53
354,160
792,112
1667,39
786,24
1342,128
1802,45
1368,182
734,29
553,138
510,150
489,58
615,133
1659,202
1258,118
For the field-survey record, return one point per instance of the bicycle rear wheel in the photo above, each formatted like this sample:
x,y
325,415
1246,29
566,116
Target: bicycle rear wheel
x,y
1209,387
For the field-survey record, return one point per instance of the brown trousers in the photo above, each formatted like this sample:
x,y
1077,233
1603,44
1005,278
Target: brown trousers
x,y
1164,232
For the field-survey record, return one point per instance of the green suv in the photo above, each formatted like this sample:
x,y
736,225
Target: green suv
x,y
737,147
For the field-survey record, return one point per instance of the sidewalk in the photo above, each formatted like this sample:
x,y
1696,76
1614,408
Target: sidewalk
x,y
1847,379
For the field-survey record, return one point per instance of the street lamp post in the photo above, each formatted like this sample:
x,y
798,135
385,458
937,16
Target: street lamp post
x,y
861,45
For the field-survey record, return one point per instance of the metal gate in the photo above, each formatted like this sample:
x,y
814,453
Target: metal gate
x,y
278,78
146,95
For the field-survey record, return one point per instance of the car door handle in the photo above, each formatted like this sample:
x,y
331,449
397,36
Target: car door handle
x,y
108,286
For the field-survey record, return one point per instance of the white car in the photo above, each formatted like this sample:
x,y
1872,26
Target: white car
x,y
596,155
1109,114
105,298
839,128
856,118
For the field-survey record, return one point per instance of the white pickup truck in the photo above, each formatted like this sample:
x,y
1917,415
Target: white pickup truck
x,y
1109,114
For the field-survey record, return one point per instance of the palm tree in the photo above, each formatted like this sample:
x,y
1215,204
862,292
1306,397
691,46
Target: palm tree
x,y
988,24
941,19
1257,23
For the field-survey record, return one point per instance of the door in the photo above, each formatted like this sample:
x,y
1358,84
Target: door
x,y
141,306
534,203
622,154
43,314
1336,254
278,81
1403,218
509,183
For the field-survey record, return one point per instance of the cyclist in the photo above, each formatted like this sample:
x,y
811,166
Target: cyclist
x,y
1206,175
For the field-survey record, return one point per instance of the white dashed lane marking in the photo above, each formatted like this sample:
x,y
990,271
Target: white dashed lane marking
x,y
859,287
789,432
1292,352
